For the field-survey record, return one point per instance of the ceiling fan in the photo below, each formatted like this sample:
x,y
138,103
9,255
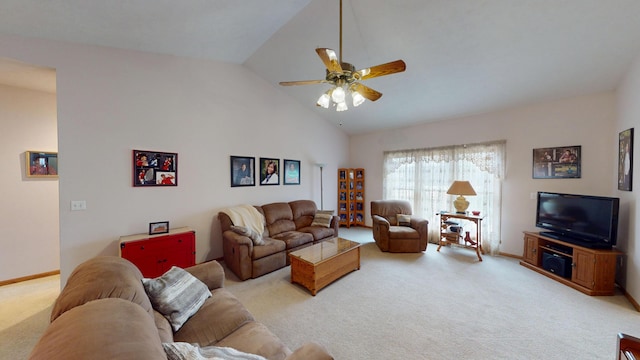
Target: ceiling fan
x,y
345,78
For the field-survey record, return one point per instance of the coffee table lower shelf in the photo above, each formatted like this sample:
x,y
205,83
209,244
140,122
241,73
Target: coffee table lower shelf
x,y
317,274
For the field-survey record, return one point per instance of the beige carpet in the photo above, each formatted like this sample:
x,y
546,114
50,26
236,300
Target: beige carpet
x,y
443,305
434,305
24,314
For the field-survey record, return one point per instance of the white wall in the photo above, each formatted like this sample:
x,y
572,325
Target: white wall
x,y
587,121
113,101
629,117
29,211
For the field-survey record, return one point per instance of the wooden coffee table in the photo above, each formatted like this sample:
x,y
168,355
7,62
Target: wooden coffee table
x,y
319,265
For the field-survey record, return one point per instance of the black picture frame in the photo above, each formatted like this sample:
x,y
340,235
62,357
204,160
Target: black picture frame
x,y
625,160
269,179
563,162
154,168
242,170
291,172
160,227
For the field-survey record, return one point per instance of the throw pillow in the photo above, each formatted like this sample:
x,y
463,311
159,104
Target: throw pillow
x,y
250,233
177,295
322,218
186,351
404,220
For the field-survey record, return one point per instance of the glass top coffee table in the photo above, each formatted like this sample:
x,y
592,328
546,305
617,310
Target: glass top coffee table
x,y
319,265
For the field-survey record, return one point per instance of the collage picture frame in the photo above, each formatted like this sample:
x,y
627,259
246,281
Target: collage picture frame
x,y
154,168
562,162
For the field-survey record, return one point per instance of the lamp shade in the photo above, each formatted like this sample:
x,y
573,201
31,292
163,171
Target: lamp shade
x,y
461,188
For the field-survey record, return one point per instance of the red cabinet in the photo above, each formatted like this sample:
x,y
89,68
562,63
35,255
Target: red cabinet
x,y
155,254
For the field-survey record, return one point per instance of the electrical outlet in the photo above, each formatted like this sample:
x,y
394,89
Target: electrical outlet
x,y
78,205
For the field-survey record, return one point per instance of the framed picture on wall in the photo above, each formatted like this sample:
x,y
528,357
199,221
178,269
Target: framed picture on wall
x,y
269,171
291,172
242,171
155,168
557,162
41,164
625,160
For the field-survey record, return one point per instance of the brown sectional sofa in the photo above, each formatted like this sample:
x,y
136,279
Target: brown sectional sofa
x,y
103,312
287,228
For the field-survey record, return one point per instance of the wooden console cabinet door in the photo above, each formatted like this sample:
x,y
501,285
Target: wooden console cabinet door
x,y
156,254
594,270
531,250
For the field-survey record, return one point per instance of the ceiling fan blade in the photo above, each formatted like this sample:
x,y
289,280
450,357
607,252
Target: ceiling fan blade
x,y
382,70
366,91
303,82
330,59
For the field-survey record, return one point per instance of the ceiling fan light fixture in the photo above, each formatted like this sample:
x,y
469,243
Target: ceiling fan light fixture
x,y
324,100
342,106
338,95
357,98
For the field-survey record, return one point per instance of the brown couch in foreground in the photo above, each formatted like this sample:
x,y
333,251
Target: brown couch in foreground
x,y
288,228
393,235
104,312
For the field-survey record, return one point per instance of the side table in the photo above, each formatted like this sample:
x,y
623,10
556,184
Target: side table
x,y
447,239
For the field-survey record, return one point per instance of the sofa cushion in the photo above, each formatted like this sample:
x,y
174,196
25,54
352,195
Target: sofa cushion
x,y
270,247
102,277
221,315
318,232
250,233
293,239
177,295
279,218
109,329
263,341
186,351
403,232
303,212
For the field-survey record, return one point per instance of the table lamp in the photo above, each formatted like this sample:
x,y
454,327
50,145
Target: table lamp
x,y
461,188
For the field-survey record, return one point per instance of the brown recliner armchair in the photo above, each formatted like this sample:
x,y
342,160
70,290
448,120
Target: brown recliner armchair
x,y
397,236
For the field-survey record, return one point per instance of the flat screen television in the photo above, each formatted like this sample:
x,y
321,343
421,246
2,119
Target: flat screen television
x,y
589,221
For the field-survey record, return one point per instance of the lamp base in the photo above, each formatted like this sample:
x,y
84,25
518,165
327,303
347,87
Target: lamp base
x,y
461,204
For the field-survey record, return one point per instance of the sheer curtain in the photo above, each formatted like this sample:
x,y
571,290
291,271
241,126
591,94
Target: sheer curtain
x,y
423,176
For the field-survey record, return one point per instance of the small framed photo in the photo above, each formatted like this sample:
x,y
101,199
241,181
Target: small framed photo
x,y
155,168
291,172
269,171
161,227
242,170
625,160
41,164
557,162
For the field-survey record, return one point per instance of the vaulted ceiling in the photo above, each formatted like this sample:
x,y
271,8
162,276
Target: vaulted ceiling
x,y
463,57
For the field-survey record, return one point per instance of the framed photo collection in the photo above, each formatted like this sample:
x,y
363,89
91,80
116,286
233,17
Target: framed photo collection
x,y
155,168
557,162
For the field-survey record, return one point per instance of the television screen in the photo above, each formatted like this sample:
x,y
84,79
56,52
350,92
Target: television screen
x,y
580,218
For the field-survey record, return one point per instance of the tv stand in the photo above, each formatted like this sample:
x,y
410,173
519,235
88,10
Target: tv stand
x,y
592,271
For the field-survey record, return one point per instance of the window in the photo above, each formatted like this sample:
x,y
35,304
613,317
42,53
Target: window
x,y
423,176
